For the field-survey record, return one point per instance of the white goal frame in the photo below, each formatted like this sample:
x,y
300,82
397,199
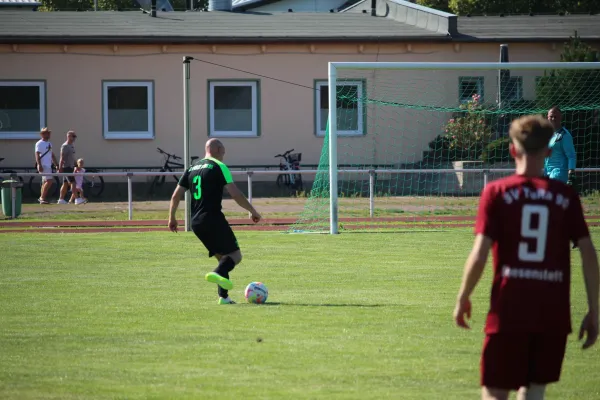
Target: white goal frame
x,y
332,100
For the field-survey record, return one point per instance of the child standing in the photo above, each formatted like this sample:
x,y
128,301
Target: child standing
x,y
77,191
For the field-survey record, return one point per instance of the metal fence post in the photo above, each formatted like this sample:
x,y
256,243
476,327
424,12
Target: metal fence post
x,y
371,193
130,195
13,193
250,188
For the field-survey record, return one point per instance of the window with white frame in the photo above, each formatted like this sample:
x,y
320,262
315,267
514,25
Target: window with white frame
x,y
22,109
128,110
350,110
468,86
233,108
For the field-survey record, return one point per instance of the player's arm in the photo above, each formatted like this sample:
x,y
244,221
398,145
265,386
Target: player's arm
x,y
175,200
236,195
61,162
38,156
580,235
569,150
38,160
178,193
591,277
242,201
54,159
486,227
472,274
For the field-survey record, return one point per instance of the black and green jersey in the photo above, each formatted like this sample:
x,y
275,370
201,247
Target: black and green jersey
x,y
205,180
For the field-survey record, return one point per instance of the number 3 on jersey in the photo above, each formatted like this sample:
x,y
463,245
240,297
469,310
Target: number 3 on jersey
x,y
540,234
197,187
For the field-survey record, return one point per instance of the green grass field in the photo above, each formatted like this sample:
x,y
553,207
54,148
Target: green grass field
x,y
353,316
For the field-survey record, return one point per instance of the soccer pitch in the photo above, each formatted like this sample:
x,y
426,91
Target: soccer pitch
x,y
352,316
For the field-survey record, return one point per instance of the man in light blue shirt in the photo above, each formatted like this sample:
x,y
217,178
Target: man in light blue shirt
x,y
561,163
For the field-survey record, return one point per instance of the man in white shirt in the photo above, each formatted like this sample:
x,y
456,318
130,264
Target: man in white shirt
x,y
44,157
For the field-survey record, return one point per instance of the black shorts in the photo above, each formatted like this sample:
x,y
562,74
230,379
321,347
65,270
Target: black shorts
x,y
512,360
216,235
66,170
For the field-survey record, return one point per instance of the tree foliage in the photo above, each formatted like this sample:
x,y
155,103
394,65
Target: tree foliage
x,y
571,88
441,5
496,7
577,93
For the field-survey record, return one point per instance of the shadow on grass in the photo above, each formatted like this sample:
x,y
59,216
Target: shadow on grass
x,y
390,231
326,305
401,230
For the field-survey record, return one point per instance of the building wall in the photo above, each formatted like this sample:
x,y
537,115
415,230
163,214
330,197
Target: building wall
x,y
74,76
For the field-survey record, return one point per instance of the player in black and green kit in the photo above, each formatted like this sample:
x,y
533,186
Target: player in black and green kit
x,y
205,180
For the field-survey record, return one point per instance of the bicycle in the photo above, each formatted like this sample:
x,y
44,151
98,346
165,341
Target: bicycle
x,y
92,185
290,162
10,172
167,167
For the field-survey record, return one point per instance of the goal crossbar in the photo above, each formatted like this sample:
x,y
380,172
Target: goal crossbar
x,y
462,65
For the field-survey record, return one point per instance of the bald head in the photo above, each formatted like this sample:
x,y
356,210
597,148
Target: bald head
x,y
214,148
555,117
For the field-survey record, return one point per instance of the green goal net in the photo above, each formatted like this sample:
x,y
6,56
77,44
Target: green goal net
x,y
415,145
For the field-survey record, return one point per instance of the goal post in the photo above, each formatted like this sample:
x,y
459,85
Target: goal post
x,y
332,136
423,135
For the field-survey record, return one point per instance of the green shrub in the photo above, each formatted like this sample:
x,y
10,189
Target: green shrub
x,y
496,151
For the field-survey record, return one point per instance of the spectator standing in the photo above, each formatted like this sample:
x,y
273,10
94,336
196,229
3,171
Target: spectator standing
x,y
67,165
561,163
45,159
77,186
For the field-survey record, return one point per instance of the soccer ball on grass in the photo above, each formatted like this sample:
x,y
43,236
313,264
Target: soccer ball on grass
x,y
256,292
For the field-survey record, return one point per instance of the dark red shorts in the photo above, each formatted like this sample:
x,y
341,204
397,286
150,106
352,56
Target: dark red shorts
x,y
512,360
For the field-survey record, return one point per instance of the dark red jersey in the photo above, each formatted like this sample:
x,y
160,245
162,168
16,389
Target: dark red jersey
x,y
532,222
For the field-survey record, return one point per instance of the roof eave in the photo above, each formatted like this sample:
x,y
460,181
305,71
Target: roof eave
x,y
212,40
472,39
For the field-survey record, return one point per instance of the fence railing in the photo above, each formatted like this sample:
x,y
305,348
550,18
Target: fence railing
x,y
372,173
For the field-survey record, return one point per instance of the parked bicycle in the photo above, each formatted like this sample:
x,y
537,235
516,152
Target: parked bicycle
x,y
290,162
8,172
93,185
168,166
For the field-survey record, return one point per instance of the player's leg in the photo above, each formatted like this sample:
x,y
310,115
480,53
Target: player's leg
x,y
226,245
46,184
220,275
494,394
218,238
547,355
74,194
504,364
63,190
533,392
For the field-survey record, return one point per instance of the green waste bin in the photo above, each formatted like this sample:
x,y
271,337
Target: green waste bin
x,y
8,187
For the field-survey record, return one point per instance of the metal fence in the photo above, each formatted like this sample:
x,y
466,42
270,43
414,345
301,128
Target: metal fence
x,y
249,173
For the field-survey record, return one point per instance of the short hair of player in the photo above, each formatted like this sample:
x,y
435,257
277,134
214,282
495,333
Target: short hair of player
x,y
531,134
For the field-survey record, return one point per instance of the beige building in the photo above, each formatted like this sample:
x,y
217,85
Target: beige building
x,y
258,79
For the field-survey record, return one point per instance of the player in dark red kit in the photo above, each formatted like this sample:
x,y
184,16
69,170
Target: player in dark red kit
x,y
528,221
